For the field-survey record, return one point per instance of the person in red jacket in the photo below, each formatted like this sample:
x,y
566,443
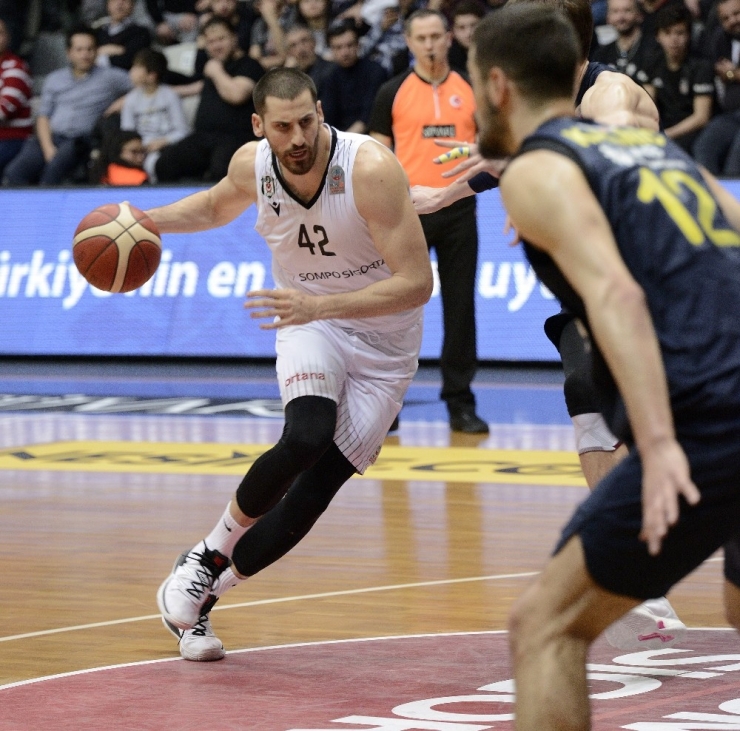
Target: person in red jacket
x,y
16,123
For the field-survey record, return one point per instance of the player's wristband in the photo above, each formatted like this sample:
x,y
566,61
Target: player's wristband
x,y
482,182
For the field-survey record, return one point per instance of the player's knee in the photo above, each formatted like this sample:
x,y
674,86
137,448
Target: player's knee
x,y
528,622
310,422
579,393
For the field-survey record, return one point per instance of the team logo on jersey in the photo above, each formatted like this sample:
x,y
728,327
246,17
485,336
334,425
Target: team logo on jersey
x,y
336,180
268,186
456,102
683,87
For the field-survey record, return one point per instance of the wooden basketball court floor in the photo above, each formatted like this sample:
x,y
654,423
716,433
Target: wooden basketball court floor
x,y
99,494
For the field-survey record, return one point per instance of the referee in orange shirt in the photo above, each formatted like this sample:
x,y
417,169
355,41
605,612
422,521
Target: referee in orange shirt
x,y
411,110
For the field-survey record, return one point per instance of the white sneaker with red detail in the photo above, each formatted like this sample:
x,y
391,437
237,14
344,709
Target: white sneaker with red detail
x,y
651,626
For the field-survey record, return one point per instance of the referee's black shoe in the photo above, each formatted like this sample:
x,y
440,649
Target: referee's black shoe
x,y
467,421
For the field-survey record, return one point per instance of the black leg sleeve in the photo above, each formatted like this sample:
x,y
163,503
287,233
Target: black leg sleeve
x,y
309,431
283,527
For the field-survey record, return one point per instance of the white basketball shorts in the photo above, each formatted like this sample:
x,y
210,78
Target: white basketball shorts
x,y
366,373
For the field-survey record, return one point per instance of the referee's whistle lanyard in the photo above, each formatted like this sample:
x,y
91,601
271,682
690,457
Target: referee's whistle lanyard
x,y
435,94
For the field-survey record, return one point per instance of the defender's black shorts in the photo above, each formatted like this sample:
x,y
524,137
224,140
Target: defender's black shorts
x,y
609,520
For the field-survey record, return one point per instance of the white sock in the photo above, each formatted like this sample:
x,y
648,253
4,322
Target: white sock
x,y
226,534
227,580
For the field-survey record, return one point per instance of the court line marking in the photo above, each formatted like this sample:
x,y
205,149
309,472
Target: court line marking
x,y
293,645
277,600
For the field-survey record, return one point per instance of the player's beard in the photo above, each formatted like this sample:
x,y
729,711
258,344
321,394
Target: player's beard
x,y
495,139
303,165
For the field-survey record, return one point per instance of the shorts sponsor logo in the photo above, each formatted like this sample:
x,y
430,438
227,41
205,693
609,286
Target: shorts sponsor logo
x,y
297,377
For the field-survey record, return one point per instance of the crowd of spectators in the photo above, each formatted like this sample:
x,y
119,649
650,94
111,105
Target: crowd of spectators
x,y
180,73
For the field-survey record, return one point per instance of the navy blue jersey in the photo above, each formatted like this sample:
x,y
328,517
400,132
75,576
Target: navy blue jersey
x,y
486,181
680,249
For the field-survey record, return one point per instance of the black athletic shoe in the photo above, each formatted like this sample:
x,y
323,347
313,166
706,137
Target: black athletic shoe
x,y
394,427
468,422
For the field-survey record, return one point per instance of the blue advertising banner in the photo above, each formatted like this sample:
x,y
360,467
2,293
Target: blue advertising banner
x,y
193,304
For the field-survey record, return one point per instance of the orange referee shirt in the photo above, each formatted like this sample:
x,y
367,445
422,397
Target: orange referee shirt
x,y
414,113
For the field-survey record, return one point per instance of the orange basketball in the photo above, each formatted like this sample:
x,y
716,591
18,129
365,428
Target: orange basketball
x,y
117,247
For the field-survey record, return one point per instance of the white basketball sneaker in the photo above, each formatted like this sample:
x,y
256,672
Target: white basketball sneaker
x,y
184,593
651,626
199,643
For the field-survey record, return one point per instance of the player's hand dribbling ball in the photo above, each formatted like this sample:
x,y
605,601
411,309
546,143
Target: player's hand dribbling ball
x,y
117,247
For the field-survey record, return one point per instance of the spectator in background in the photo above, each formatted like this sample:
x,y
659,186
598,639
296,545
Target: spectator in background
x,y
718,145
350,88
632,51
120,38
13,14
314,14
153,109
429,102
121,160
223,121
16,123
384,43
176,21
267,44
681,85
302,55
239,14
465,17
73,99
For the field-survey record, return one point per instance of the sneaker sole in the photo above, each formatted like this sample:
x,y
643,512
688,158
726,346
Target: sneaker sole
x,y
635,633
206,656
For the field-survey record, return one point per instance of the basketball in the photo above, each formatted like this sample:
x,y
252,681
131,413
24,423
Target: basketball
x,y
117,247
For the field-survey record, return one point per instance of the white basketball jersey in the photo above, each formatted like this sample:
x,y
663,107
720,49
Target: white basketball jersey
x,y
323,246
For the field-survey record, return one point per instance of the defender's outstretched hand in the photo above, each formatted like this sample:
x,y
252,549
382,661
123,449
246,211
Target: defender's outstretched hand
x,y
665,476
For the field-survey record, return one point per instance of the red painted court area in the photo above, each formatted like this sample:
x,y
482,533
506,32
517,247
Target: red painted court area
x,y
442,682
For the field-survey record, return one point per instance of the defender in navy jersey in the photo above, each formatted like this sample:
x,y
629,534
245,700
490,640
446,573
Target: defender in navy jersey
x,y
611,98
351,272
643,245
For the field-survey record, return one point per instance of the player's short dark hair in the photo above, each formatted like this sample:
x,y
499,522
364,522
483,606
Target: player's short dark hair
x,y
468,7
672,15
424,13
282,83
580,15
155,62
80,30
545,66
339,28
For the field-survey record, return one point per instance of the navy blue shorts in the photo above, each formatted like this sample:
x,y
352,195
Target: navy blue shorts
x,y
609,520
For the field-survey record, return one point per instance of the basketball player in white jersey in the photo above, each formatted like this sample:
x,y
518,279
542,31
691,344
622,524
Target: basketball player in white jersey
x,y
352,273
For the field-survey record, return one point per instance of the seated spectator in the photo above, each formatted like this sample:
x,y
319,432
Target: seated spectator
x,y
120,38
465,16
718,145
93,12
314,14
350,88
73,99
153,109
16,123
302,54
176,21
632,51
239,14
223,121
267,44
384,43
682,85
121,161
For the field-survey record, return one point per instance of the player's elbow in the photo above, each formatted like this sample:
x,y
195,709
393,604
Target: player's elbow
x,y
424,288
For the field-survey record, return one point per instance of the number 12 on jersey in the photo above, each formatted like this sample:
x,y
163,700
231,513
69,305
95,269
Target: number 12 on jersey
x,y
305,242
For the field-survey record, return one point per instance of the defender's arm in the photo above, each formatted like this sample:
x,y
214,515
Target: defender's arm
x,y
616,99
